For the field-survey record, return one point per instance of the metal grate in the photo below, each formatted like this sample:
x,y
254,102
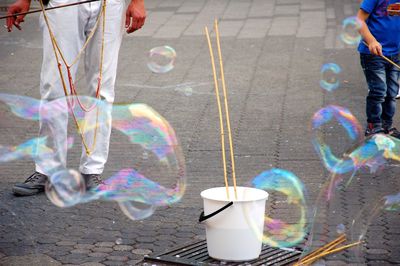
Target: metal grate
x,y
196,254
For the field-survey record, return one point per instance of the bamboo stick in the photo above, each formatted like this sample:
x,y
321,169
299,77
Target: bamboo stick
x,y
328,246
228,123
49,8
221,123
323,254
387,59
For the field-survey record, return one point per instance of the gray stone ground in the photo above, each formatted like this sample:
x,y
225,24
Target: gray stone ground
x,y
273,52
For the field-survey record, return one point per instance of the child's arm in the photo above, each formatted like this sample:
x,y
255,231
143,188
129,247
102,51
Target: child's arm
x,y
373,45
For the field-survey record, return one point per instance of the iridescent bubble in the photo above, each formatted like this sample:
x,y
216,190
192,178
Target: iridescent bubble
x,y
161,59
340,229
188,91
361,190
277,232
29,149
157,181
135,210
65,188
351,125
329,76
392,202
119,241
22,106
351,31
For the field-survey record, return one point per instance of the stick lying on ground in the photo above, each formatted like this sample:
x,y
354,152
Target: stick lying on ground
x,y
326,250
220,108
49,8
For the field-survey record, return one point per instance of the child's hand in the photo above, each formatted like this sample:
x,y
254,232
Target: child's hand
x,y
375,48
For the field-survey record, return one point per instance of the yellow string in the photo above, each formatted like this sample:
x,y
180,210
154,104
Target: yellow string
x,y
57,52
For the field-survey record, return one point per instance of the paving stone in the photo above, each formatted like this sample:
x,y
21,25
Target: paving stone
x,y
81,251
102,249
84,246
66,243
141,251
29,260
123,247
91,264
133,262
105,244
98,254
118,258
113,263
377,251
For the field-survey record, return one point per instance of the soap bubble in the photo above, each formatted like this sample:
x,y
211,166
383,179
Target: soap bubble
x,y
363,188
161,59
135,210
22,106
282,184
329,76
65,188
188,91
119,241
353,129
350,31
29,149
159,180
340,229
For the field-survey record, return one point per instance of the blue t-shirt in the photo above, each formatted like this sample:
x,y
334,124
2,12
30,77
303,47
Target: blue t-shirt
x,y
385,28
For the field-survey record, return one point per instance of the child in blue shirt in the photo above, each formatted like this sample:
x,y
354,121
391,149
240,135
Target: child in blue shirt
x,y
381,33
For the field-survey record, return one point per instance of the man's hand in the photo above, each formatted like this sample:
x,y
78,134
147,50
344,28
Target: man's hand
x,y
18,7
375,48
135,16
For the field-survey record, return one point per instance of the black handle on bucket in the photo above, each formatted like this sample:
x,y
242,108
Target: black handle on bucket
x,y
205,217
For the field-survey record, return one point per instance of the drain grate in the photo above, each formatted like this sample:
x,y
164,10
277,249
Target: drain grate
x,y
196,254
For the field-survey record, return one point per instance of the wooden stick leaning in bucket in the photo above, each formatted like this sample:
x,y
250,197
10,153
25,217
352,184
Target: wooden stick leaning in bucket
x,y
221,123
220,108
228,122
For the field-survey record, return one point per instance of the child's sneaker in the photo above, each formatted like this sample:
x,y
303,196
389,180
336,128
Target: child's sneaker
x,y
393,132
372,130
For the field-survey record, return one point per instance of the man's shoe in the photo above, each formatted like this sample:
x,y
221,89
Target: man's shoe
x,y
393,132
92,181
33,185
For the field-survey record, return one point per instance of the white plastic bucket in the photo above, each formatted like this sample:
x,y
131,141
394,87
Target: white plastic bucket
x,y
230,235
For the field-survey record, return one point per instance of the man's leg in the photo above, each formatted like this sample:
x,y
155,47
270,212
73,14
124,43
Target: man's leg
x,y
93,164
64,23
375,74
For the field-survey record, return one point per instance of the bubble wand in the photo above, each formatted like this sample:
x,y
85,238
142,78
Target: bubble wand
x,y
46,9
387,59
221,123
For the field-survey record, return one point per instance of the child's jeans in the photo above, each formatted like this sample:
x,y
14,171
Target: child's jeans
x,y
382,79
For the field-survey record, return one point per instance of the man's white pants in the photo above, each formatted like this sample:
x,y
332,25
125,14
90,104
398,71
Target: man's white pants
x,y
71,26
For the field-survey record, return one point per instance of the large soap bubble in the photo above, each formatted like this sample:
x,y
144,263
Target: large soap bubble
x,y
285,231
360,180
344,118
158,180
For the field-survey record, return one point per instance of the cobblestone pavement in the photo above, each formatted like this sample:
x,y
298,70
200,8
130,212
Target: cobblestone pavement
x,y
273,51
